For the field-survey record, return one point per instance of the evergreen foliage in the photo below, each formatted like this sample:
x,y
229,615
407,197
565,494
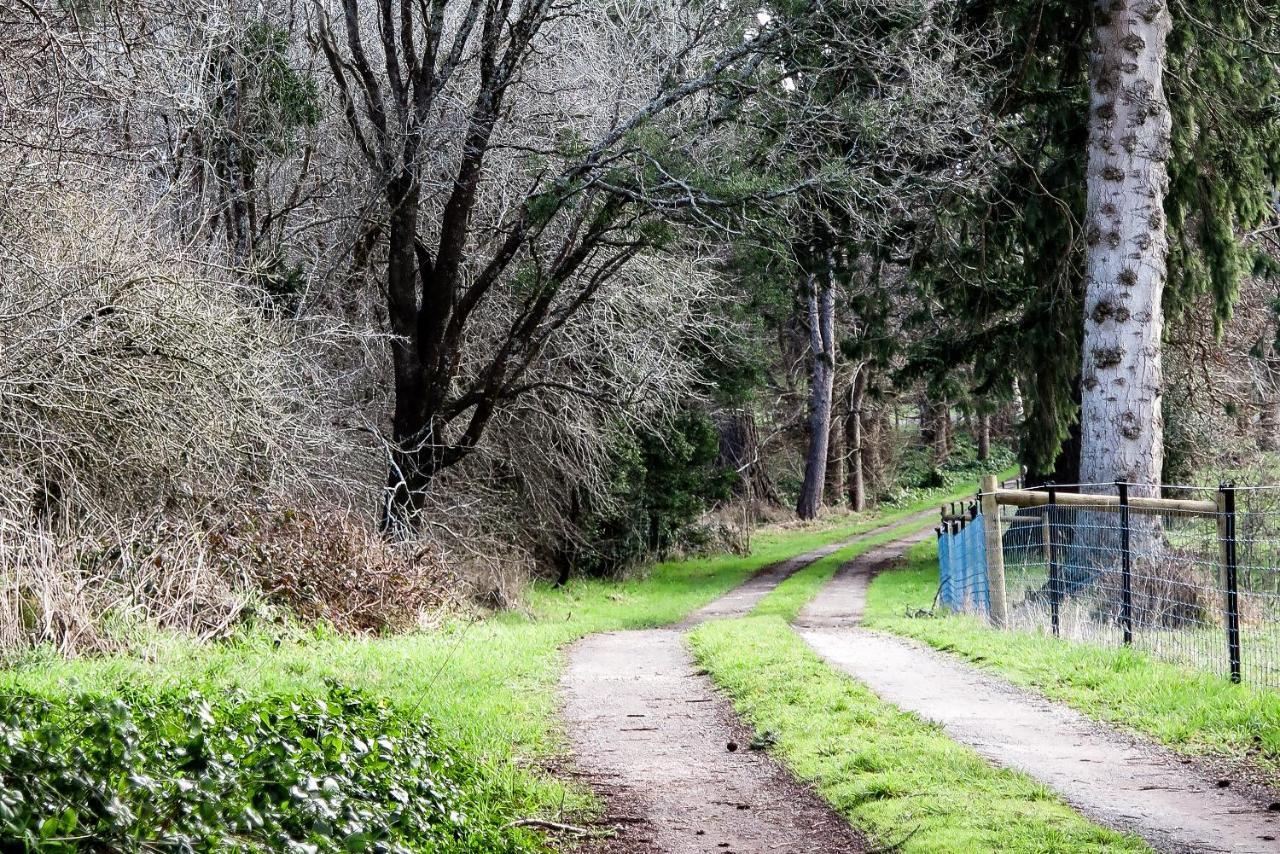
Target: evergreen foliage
x,y
1005,264
186,772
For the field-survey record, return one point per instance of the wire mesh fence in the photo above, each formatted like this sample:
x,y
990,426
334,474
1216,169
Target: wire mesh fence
x,y
1194,582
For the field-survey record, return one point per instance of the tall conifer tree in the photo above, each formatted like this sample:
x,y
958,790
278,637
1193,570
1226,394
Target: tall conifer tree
x,y
1008,263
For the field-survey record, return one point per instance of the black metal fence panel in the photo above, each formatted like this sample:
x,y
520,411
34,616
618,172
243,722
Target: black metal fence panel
x,y
1193,588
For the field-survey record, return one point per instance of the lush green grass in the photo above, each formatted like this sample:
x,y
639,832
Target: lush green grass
x,y
488,686
887,771
1191,711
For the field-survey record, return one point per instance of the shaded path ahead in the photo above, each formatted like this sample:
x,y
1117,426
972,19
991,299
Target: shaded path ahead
x,y
739,601
1115,779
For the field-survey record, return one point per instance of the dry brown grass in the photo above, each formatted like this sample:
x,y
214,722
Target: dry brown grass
x,y
330,565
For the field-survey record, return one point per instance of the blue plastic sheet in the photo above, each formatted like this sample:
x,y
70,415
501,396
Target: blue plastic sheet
x,y
962,568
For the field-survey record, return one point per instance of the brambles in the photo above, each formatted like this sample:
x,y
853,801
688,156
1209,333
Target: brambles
x,y
332,566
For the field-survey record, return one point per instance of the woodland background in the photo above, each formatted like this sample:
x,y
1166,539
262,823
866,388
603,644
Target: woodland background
x,y
364,312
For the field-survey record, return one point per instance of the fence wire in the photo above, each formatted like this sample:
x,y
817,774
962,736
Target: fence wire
x,y
1066,574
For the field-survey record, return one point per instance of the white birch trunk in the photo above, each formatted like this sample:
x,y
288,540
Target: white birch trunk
x,y
1019,406
1121,422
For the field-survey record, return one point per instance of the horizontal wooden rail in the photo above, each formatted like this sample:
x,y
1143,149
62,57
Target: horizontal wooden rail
x,y
1035,498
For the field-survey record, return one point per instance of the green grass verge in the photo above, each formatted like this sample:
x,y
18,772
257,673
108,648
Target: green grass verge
x,y
488,687
898,777
1194,712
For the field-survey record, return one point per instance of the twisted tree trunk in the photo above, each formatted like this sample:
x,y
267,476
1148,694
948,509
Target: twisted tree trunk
x,y
1129,128
858,454
820,298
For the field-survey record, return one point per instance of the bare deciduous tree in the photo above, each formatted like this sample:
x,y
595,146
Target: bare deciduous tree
x,y
434,96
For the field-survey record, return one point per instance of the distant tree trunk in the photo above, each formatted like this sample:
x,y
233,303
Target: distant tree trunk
x,y
232,165
820,298
984,436
928,421
837,455
1125,268
939,435
740,451
1019,406
858,454
1019,417
944,428
876,429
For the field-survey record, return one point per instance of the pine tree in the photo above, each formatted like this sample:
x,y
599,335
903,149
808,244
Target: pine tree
x,y
1008,263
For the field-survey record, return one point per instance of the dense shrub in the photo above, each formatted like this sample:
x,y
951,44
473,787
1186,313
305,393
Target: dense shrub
x,y
185,772
919,473
331,565
143,393
661,484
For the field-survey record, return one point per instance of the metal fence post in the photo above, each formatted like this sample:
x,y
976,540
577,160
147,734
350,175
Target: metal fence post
x,y
1053,566
1227,531
1126,571
1046,546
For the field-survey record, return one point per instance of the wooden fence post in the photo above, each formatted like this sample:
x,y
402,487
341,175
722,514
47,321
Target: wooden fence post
x,y
995,550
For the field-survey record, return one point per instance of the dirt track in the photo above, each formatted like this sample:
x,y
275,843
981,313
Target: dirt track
x,y
1115,779
651,735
